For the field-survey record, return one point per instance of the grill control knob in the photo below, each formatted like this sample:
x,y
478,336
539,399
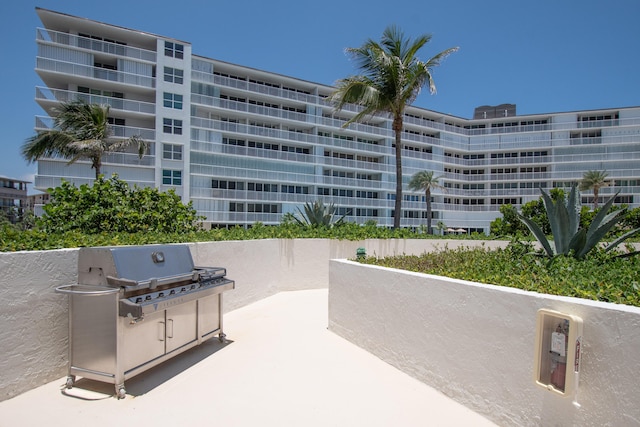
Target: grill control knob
x,y
173,291
161,294
139,300
147,298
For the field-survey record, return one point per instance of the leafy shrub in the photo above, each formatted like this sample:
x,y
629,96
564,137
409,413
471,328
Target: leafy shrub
x,y
110,205
36,239
510,224
598,276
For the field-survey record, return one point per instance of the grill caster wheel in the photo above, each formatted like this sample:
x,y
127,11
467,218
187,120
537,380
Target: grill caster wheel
x,y
222,338
70,381
121,393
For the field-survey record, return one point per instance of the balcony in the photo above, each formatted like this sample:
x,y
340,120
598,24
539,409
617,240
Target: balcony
x,y
353,145
254,87
66,39
128,105
358,127
248,108
240,128
44,123
357,184
585,124
89,72
356,164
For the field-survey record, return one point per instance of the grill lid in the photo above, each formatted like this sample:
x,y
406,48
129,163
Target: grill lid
x,y
137,266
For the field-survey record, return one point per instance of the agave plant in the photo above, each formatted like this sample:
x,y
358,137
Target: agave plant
x,y
317,214
564,219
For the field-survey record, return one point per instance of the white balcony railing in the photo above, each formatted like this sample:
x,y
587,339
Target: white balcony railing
x,y
46,123
95,45
57,95
69,68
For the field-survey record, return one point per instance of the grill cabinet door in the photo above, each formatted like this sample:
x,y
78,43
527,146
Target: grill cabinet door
x,y
181,325
143,341
209,315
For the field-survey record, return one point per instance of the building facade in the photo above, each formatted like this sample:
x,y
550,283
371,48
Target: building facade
x,y
13,197
247,145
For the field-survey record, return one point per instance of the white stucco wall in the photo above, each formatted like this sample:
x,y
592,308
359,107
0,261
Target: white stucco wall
x,y
33,339
475,343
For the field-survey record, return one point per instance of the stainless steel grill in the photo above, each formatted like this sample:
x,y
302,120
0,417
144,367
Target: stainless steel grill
x,y
137,306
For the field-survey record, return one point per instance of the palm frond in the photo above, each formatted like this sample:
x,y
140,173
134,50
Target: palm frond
x,y
82,130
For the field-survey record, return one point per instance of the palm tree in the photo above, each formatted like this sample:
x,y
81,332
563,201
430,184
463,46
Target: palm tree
x,y
392,77
594,180
81,131
425,181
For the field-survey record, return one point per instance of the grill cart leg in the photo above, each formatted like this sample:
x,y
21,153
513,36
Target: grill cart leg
x,y
71,379
222,337
121,393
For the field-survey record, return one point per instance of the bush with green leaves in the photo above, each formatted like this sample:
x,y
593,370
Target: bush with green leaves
x,y
568,237
515,267
110,205
510,224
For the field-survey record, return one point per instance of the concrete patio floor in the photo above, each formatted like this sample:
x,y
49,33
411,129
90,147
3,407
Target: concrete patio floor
x,y
281,367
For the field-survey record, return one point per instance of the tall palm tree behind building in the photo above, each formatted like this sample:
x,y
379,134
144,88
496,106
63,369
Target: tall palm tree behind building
x,y
392,77
81,131
594,180
425,181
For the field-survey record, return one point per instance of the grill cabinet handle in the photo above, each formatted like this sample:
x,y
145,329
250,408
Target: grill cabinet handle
x,y
161,331
169,328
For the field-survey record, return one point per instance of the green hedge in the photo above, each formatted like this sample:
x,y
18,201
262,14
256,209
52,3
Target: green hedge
x,y
12,239
599,276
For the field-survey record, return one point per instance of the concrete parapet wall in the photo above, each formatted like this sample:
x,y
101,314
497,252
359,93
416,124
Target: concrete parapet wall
x,y
33,339
475,343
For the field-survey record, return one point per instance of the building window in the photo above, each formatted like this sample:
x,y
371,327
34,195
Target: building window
x,y
171,177
174,50
232,141
227,185
116,122
173,75
295,189
173,100
262,208
172,151
236,207
107,93
172,126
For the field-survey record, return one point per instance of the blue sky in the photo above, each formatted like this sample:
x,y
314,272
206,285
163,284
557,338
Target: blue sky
x,y
544,55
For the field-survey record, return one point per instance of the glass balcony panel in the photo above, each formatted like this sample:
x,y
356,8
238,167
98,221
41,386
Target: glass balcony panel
x,y
44,93
46,64
94,45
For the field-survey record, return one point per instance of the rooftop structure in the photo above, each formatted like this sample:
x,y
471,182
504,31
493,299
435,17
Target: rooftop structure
x,y
284,369
246,145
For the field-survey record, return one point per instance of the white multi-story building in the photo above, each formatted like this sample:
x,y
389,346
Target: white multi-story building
x,y
247,145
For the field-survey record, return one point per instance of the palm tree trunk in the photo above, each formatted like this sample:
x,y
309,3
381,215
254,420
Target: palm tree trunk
x,y
428,201
595,197
96,163
397,129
